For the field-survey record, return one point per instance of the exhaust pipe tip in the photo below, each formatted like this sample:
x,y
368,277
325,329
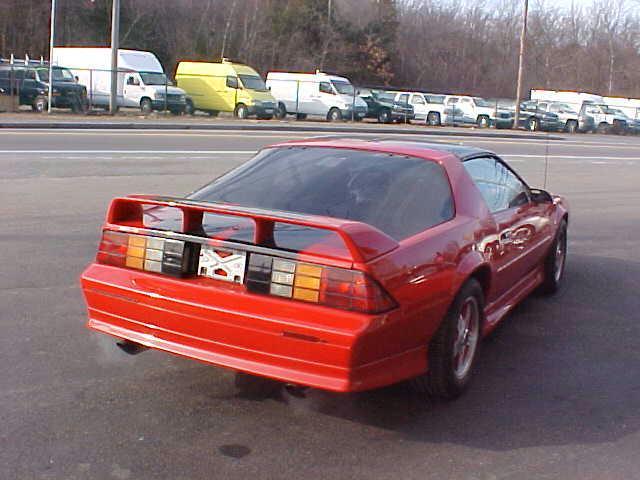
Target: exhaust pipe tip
x,y
132,348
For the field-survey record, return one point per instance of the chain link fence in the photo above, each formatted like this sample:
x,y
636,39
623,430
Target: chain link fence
x,y
24,86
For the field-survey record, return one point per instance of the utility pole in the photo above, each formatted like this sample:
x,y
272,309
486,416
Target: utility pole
x,y
327,35
115,34
523,36
51,39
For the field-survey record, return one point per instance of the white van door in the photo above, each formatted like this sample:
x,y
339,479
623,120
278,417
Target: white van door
x,y
133,90
325,98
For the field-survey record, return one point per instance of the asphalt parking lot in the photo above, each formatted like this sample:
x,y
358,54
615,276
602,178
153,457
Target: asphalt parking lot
x,y
557,394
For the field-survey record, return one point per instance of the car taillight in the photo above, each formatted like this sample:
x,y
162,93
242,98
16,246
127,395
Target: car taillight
x,y
151,254
330,286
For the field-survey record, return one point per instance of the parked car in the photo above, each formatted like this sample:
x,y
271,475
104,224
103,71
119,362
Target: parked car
x,y
428,107
225,86
465,110
633,124
319,94
341,264
30,82
605,119
142,82
533,118
383,106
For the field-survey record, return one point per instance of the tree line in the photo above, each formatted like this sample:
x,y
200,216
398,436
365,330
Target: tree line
x,y
462,46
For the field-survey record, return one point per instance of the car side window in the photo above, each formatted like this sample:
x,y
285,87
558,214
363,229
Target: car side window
x,y
452,101
466,100
404,98
417,100
30,74
132,81
325,87
499,186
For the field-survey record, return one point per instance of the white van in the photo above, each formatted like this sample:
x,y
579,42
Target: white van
x,y
141,80
302,94
428,107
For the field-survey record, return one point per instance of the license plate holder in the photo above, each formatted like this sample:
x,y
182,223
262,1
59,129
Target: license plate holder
x,y
222,264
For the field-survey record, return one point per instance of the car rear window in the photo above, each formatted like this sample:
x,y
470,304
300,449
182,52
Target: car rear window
x,y
399,195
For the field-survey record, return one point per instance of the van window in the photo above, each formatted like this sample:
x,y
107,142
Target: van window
x,y
343,88
253,82
132,81
232,82
325,87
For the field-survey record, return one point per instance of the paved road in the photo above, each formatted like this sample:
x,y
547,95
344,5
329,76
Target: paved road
x,y
557,395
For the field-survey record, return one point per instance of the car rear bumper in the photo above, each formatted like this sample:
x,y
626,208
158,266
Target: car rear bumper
x,y
226,326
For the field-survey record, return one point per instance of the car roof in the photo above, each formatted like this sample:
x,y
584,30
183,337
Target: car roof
x,y
423,149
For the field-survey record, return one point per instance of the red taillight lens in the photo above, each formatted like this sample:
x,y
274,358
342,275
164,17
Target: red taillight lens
x,y
113,248
353,290
143,252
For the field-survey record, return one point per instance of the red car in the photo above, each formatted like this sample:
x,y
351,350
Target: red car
x,y
341,264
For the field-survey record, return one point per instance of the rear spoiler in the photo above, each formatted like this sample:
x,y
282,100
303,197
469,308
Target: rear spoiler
x,y
363,241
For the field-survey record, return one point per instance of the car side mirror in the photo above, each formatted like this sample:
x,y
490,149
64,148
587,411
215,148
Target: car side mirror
x,y
76,79
540,196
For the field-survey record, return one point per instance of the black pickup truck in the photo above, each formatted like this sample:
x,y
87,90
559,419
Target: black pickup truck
x,y
30,82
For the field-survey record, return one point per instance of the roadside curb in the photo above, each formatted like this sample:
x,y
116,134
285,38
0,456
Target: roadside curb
x,y
269,128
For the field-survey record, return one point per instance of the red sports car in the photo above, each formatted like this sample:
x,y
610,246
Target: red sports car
x,y
341,264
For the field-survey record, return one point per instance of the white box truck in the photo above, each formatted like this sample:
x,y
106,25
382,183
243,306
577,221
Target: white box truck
x,y
320,94
142,82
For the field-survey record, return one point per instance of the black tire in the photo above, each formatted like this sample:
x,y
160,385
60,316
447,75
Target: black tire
x,y
189,107
571,126
264,117
334,115
213,113
433,119
176,111
384,116
445,380
252,386
39,104
553,266
483,121
532,124
241,112
146,107
603,128
281,111
301,116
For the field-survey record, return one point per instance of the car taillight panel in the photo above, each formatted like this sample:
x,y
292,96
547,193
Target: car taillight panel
x,y
141,252
265,274
330,286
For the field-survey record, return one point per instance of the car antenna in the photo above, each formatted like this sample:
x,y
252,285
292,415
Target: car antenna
x,y
546,161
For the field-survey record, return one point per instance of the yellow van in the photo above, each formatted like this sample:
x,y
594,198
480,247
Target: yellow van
x,y
225,87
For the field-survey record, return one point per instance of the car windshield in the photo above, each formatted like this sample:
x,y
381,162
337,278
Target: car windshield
x,y
385,96
561,107
481,102
59,75
154,78
344,88
435,98
253,82
399,195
